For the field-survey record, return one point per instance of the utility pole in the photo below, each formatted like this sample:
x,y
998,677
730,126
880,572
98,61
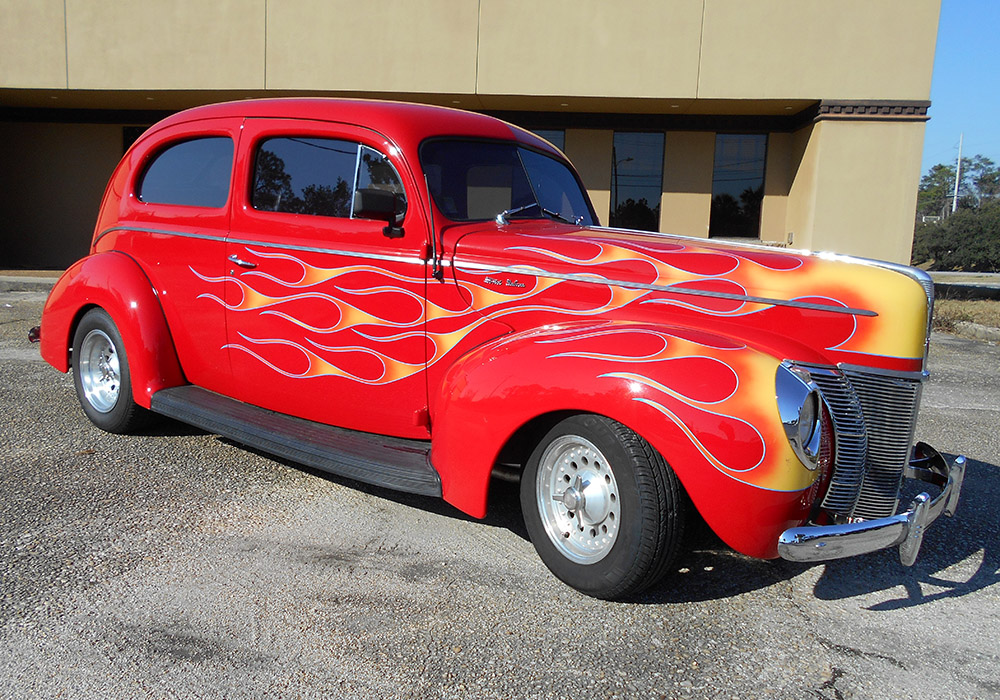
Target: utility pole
x,y
958,173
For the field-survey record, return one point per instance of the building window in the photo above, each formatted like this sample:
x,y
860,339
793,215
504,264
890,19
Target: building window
x,y
737,185
636,180
557,137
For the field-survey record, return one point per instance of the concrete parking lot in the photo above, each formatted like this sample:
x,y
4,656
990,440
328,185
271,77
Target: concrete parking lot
x,y
179,565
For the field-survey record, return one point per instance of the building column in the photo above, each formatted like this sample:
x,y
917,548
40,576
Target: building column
x,y
855,174
688,159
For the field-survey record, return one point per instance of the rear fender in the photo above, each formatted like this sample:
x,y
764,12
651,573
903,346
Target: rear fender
x,y
116,283
705,402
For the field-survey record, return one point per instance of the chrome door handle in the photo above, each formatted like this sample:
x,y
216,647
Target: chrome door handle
x,y
242,263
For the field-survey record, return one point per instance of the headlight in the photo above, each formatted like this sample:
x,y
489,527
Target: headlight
x,y
800,411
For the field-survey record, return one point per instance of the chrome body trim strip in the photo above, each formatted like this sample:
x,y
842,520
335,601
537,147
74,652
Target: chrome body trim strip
x,y
409,259
593,279
811,543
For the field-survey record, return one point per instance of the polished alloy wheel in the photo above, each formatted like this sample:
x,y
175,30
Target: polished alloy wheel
x,y
100,373
578,499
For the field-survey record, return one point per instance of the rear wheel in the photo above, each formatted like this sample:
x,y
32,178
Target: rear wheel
x,y
603,509
101,375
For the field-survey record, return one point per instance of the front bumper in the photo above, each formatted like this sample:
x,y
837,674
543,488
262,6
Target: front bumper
x,y
823,542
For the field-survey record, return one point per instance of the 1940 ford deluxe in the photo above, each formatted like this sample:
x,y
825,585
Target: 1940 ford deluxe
x,y
420,298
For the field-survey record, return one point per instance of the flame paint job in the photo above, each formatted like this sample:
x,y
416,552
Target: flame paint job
x,y
677,338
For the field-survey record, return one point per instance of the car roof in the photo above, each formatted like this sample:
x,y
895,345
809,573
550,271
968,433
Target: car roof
x,y
407,124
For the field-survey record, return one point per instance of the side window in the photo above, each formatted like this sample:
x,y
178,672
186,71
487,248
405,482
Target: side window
x,y
376,172
193,173
305,176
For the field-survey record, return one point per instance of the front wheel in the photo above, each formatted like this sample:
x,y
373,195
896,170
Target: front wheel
x,y
101,375
602,508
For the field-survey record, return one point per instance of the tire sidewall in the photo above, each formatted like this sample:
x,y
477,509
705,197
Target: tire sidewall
x,y
118,418
605,577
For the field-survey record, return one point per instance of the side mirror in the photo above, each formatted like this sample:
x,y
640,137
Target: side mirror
x,y
379,205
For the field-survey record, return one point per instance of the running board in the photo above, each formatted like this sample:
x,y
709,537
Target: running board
x,y
395,463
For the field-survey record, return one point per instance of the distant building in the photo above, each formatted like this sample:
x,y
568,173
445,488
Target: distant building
x,y
789,122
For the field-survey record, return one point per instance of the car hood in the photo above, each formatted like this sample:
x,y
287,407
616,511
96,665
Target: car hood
x,y
852,311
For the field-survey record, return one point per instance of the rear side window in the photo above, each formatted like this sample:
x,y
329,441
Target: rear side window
x,y
300,175
193,173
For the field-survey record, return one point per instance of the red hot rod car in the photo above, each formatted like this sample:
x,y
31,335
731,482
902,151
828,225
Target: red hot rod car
x,y
418,297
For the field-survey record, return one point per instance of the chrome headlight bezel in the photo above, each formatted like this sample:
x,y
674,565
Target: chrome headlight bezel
x,y
800,408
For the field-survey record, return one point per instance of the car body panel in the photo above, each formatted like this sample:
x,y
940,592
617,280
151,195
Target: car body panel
x,y
116,283
465,334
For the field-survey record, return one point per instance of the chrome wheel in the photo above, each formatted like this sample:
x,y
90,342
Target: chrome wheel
x,y
577,499
99,371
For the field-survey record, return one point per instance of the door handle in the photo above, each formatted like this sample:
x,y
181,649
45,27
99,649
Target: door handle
x,y
242,263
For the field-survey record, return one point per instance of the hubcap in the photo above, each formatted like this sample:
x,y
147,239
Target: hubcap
x,y
578,499
100,372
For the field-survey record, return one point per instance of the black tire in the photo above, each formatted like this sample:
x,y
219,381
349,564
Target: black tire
x,y
617,510
101,375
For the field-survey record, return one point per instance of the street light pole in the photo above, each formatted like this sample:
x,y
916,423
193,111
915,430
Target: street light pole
x,y
958,174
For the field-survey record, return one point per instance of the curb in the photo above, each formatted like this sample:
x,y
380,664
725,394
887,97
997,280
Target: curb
x,y
26,284
950,290
977,331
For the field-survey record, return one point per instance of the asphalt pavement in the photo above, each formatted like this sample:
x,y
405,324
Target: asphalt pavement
x,y
179,565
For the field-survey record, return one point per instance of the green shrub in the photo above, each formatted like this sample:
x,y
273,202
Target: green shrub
x,y
967,240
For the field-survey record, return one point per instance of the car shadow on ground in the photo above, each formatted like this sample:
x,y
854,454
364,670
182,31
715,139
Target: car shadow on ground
x,y
973,534
707,569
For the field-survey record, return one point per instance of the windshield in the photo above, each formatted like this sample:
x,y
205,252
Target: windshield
x,y
481,180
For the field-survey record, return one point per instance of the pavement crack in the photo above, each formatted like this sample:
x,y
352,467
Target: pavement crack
x,y
860,654
830,685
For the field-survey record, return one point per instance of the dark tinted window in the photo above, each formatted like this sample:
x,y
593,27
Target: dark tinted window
x,y
305,176
737,185
636,180
475,181
192,173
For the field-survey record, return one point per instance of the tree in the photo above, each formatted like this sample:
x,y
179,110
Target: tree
x,y
638,216
980,183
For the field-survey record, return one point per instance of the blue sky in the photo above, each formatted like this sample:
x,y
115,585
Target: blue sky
x,y
965,89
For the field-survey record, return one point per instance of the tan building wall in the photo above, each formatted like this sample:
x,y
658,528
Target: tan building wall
x,y
839,49
841,170
866,187
629,49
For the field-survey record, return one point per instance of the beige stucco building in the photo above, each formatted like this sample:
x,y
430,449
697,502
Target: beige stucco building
x,y
789,122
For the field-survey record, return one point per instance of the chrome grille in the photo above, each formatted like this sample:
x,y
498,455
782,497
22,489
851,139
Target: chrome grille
x,y
874,416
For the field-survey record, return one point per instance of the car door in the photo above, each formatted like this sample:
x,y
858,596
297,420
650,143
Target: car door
x,y
326,310
174,224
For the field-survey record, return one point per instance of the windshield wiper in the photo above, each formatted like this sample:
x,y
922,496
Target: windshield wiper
x,y
561,217
503,218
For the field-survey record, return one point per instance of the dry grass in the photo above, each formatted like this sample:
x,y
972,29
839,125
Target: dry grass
x,y
948,312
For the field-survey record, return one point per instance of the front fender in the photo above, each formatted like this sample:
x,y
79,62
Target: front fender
x,y
705,402
116,283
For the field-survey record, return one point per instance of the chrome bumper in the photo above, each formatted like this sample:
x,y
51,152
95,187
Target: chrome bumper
x,y
822,542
